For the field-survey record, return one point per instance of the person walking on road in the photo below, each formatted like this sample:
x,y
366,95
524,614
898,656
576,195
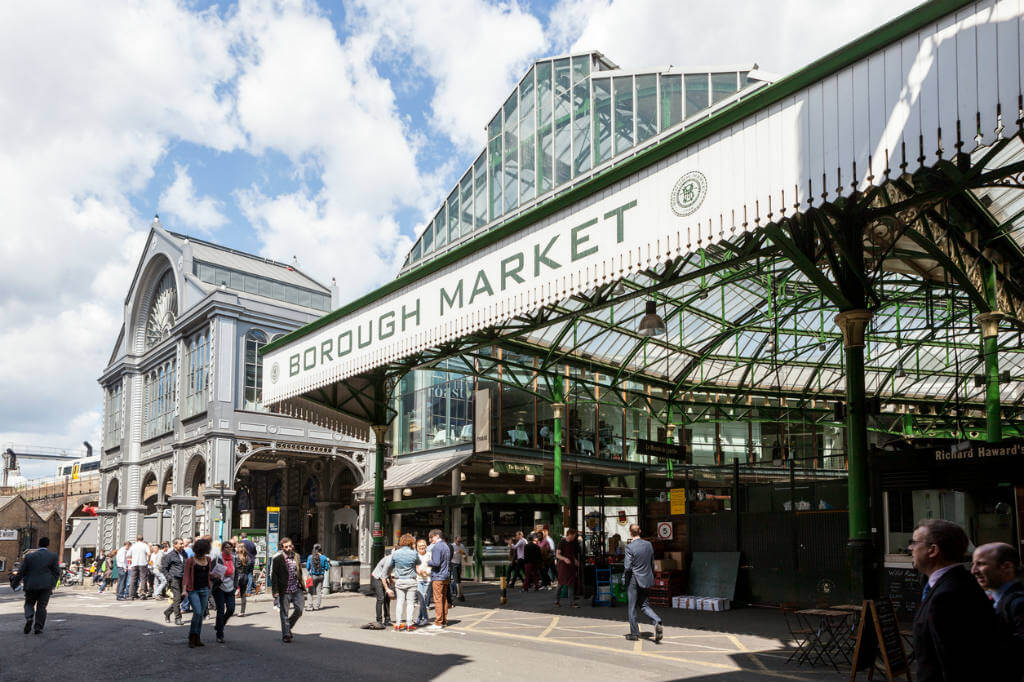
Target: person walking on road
x,y
287,586
243,573
567,557
404,561
423,582
223,585
139,555
121,560
39,572
160,583
957,635
197,587
517,557
379,582
317,566
172,565
440,573
638,574
459,555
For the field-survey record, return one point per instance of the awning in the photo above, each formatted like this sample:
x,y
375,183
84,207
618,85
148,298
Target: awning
x,y
82,535
418,473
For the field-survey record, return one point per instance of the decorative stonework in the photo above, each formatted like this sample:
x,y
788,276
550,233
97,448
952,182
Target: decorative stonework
x,y
211,369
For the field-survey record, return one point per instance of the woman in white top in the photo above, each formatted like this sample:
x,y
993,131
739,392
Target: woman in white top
x,y
423,578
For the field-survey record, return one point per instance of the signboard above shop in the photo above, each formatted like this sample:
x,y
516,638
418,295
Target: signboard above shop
x,y
519,468
666,450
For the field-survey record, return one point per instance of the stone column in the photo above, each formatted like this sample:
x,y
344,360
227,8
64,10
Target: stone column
x,y
212,502
183,516
325,527
107,536
160,507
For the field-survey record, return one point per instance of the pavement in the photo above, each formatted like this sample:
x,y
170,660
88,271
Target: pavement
x,y
528,638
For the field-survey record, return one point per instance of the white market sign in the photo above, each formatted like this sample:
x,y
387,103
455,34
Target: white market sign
x,y
796,151
8,534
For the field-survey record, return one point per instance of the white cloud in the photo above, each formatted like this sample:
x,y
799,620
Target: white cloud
x,y
780,36
473,51
180,200
98,92
328,109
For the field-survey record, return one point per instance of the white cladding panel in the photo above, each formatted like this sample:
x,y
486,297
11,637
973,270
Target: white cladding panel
x,y
900,105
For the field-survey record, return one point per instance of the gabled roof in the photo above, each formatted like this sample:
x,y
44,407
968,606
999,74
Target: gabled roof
x,y
6,500
215,254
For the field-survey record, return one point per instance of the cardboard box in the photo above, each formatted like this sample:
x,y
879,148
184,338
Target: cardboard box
x,y
665,565
676,557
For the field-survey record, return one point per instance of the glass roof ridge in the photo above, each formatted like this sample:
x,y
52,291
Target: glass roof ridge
x,y
568,118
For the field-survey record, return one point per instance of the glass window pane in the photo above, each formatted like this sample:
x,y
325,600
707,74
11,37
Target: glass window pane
x,y
264,286
722,85
646,107
511,164
251,287
581,115
453,215
696,93
671,100
417,251
527,158
466,204
428,239
480,191
440,228
291,294
563,122
494,170
237,281
602,119
545,133
304,298
277,290
623,114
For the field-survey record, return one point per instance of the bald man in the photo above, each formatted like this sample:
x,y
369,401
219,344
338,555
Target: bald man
x,y
995,567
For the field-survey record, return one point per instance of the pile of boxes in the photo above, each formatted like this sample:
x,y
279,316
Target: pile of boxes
x,y
700,603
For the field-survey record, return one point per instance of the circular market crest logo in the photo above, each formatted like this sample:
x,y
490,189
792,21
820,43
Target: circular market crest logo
x,y
275,372
688,193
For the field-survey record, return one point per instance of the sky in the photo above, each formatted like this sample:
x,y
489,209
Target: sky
x,y
329,131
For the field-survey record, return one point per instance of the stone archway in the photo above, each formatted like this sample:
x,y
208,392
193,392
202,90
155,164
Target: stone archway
x,y
149,492
341,515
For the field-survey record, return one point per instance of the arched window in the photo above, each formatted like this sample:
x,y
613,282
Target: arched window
x,y
254,340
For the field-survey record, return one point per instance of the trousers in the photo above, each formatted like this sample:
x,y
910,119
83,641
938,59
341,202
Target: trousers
x,y
383,606
405,601
35,607
295,600
225,609
174,585
439,588
637,598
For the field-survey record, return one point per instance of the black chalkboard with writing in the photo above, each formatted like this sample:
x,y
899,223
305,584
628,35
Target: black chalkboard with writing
x,y
878,636
903,588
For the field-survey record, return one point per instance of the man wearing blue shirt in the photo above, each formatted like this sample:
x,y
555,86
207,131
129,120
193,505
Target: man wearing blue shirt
x,y
440,572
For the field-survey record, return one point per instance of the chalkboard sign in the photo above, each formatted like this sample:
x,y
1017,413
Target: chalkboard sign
x,y
903,587
878,635
713,574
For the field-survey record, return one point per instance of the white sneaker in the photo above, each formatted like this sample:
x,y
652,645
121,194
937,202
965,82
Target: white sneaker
x,y
434,627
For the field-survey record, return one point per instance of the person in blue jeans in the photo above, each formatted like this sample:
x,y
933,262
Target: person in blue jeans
x,y
423,582
197,585
223,586
317,567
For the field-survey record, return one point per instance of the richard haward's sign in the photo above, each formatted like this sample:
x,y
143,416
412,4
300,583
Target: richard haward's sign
x,y
979,452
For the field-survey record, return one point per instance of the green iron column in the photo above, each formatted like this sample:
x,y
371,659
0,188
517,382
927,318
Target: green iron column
x,y
377,532
853,323
989,323
478,541
557,408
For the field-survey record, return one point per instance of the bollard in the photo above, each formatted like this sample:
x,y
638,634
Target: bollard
x,y
503,582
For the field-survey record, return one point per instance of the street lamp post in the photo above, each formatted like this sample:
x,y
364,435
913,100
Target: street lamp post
x,y
223,511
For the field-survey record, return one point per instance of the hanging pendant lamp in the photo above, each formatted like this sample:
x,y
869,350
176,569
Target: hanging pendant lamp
x,y
651,324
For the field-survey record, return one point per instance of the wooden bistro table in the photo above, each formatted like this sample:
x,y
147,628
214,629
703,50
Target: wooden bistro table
x,y
830,635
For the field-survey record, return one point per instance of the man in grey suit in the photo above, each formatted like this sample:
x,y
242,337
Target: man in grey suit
x,y
39,573
638,574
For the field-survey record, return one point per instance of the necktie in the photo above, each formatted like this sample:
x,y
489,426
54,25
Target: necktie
x,y
924,593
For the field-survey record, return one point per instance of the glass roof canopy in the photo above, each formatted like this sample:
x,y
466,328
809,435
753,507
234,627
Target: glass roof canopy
x,y
569,118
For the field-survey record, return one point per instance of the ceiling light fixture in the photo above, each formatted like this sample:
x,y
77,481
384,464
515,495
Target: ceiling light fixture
x,y
651,324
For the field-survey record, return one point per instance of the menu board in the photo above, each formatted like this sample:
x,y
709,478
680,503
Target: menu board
x,y
878,636
903,588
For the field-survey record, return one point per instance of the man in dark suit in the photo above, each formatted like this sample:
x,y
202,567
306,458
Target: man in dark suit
x,y
996,566
39,573
638,574
957,636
